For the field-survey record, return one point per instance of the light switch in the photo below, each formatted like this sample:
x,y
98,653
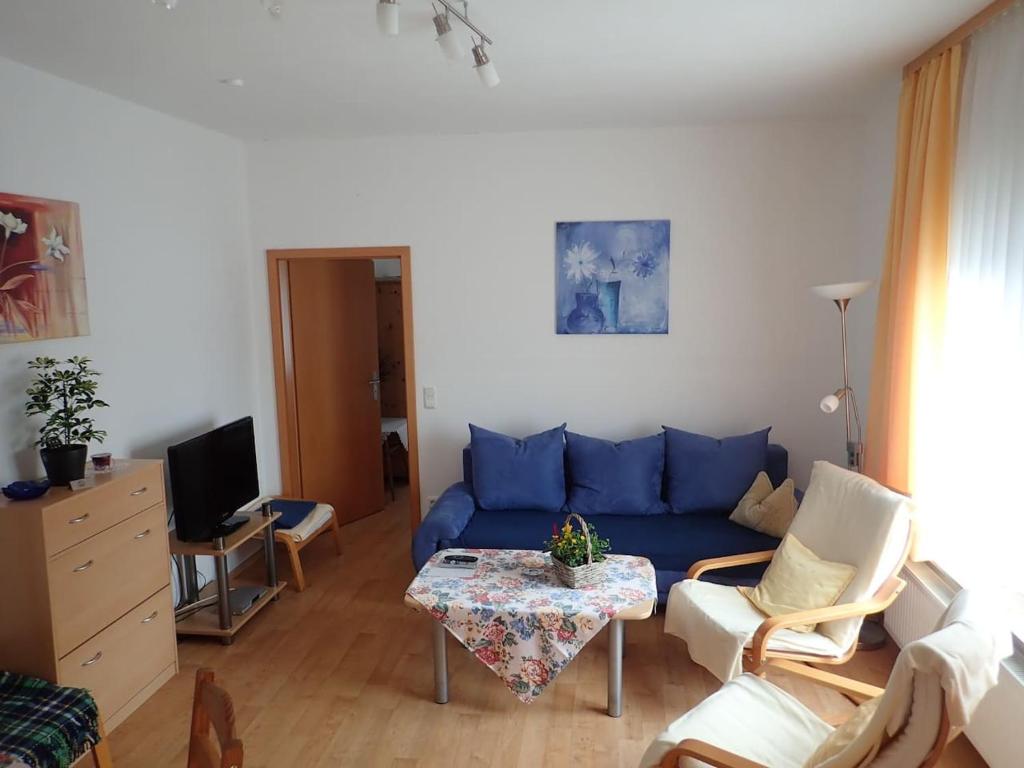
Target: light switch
x,y
429,397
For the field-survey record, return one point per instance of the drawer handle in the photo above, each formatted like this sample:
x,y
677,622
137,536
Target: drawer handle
x,y
150,618
93,660
77,520
82,567
142,535
139,491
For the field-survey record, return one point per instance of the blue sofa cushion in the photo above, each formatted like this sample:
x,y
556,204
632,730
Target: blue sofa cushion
x,y
615,478
509,473
670,542
703,473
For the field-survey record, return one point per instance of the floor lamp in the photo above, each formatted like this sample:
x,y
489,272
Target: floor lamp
x,y
872,635
841,294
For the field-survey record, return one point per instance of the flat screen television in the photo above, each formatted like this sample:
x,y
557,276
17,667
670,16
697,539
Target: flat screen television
x,y
212,476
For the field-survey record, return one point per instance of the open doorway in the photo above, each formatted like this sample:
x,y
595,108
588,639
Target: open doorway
x,y
341,326
391,361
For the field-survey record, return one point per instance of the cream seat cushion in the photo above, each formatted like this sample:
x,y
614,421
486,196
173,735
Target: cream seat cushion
x,y
750,717
766,509
849,518
320,516
717,623
798,580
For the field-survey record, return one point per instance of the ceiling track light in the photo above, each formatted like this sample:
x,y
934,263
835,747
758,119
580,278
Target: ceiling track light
x,y
446,37
387,17
387,23
484,66
274,7
463,16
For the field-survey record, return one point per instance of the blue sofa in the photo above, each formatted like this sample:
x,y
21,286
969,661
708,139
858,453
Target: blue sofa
x,y
672,542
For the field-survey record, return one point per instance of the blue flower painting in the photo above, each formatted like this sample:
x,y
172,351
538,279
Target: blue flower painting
x,y
611,276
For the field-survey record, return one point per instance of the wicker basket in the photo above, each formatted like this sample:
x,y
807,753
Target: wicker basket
x,y
582,575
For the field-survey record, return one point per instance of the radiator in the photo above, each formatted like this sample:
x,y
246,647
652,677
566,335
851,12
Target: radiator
x,y
996,725
916,611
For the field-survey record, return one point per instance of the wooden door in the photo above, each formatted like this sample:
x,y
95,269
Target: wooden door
x,y
337,388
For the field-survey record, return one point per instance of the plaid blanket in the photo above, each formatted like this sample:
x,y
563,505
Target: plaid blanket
x,y
43,725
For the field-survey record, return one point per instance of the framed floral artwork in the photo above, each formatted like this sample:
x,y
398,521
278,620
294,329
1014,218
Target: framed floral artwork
x,y
611,277
42,270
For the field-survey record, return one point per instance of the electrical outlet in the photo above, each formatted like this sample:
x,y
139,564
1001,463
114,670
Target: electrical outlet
x,y
429,397
431,500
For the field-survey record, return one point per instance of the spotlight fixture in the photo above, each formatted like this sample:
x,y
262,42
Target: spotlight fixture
x,y
274,7
387,17
446,38
484,66
387,23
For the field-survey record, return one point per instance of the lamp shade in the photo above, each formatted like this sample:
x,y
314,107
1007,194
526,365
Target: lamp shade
x,y
829,404
488,74
839,291
387,17
451,46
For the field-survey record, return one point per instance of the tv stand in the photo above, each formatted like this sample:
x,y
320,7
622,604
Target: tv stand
x,y
209,611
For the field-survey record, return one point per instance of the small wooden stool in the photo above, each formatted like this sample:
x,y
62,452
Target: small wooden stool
x,y
285,537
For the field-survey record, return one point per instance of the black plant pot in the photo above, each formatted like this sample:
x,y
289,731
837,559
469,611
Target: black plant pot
x,y
65,463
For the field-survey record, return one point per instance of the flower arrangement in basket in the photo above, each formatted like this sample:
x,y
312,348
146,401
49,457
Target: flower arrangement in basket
x,y
578,556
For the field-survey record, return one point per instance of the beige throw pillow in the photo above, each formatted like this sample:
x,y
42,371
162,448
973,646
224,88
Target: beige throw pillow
x,y
798,580
843,736
766,509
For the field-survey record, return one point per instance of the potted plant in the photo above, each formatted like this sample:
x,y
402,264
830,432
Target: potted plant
x,y
578,556
64,392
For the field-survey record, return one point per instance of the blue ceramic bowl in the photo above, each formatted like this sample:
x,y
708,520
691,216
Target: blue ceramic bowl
x,y
23,490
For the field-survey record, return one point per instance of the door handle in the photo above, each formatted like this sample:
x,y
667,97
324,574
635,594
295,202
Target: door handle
x,y
375,386
139,491
93,660
142,535
83,567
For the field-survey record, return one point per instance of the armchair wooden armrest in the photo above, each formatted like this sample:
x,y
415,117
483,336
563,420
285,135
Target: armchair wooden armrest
x,y
851,689
881,600
717,563
707,753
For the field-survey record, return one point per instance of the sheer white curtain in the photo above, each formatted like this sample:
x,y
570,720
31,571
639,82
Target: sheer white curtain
x,y
971,491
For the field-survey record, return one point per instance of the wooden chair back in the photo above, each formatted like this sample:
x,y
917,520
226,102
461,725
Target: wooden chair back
x,y
212,706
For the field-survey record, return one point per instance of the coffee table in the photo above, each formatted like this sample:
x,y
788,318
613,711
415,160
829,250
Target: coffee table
x,y
517,618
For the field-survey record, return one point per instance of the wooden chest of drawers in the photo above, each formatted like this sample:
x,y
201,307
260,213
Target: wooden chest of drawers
x,y
86,588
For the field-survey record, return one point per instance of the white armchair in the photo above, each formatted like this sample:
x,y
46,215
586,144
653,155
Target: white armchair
x,y
845,517
935,686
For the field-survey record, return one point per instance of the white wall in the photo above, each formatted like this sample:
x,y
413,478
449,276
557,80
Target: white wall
x,y
759,213
163,210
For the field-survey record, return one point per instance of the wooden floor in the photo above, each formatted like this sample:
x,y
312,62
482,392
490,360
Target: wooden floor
x,y
341,675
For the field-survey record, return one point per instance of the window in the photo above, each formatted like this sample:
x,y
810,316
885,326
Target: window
x,y
970,468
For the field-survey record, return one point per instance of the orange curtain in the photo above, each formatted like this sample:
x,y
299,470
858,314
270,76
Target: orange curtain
x,y
911,303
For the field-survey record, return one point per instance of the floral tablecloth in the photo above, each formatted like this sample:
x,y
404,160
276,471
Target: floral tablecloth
x,y
521,621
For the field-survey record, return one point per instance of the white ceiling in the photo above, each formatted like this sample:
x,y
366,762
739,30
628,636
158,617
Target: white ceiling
x,y
322,70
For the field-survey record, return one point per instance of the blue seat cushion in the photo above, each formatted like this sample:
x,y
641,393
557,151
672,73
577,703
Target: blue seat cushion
x,y
670,542
615,478
511,473
704,473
